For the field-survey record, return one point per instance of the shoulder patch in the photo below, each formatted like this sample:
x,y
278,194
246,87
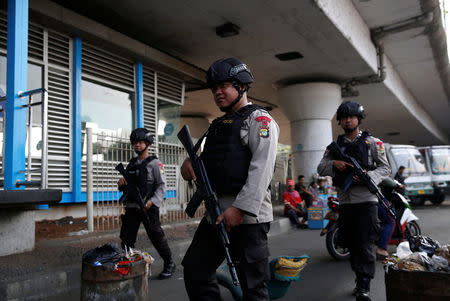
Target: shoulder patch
x,y
264,128
263,118
263,131
380,147
161,167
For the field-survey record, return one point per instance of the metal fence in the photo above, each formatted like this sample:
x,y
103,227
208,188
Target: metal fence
x,y
110,149
178,191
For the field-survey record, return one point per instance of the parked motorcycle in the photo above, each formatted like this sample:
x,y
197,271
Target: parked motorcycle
x,y
333,238
405,225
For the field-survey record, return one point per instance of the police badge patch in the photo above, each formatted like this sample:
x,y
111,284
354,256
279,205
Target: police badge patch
x,y
380,147
264,128
264,132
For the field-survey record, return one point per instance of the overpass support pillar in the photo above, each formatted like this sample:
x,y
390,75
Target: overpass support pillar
x,y
310,108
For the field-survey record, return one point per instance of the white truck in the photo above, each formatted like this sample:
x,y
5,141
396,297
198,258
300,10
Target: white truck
x,y
418,180
438,161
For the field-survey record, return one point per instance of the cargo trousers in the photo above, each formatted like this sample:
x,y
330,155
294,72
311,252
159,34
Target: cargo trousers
x,y
249,251
360,229
131,221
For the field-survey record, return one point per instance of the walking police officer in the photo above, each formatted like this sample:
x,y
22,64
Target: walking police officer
x,y
147,173
239,157
358,211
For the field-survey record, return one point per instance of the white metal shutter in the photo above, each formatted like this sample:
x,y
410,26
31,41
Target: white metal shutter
x,y
53,50
35,38
150,116
3,30
169,88
35,42
59,110
106,67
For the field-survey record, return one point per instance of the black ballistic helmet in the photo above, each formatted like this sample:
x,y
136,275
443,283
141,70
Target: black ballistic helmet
x,y
141,134
228,70
350,108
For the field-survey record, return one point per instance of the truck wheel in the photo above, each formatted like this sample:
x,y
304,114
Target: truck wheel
x,y
438,199
417,200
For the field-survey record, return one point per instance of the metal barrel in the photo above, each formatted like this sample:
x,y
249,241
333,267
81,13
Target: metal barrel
x,y
102,283
417,285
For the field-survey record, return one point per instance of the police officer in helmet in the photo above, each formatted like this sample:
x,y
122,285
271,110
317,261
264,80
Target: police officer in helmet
x,y
147,173
358,219
239,157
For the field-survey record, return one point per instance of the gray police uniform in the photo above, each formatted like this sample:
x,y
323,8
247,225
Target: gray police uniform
x,y
249,249
359,193
157,177
132,218
358,218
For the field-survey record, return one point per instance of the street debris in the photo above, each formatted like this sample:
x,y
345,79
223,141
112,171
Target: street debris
x,y
420,253
111,256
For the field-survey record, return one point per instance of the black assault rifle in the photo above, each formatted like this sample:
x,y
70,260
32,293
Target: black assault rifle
x,y
140,200
337,153
205,192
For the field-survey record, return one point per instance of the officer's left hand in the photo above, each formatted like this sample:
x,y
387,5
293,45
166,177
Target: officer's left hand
x,y
357,179
232,217
148,205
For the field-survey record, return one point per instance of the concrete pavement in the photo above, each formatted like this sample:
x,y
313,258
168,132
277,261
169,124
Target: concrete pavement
x,y
52,270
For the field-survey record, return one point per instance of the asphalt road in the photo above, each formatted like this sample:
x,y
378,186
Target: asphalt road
x,y
324,278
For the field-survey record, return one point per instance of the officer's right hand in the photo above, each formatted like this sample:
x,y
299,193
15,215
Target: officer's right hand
x,y
187,172
341,165
122,182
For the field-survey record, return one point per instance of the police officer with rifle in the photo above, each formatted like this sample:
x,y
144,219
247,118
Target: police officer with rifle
x,y
239,158
144,185
357,162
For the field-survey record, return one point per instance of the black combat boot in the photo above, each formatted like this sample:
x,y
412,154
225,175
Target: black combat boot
x,y
167,272
362,289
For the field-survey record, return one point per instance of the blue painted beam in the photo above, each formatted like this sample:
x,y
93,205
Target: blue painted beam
x,y
76,121
139,87
16,82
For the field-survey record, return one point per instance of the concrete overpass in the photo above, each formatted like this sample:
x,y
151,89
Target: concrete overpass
x,y
411,106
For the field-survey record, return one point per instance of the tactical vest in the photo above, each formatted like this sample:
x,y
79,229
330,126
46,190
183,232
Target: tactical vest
x,y
137,176
357,149
226,159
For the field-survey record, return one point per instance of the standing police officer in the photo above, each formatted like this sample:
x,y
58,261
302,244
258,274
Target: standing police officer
x,y
239,157
358,219
147,173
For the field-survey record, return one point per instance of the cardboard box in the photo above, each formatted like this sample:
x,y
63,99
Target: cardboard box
x,y
316,218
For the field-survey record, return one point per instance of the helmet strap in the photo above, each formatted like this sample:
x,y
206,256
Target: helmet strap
x,y
350,130
142,151
241,92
